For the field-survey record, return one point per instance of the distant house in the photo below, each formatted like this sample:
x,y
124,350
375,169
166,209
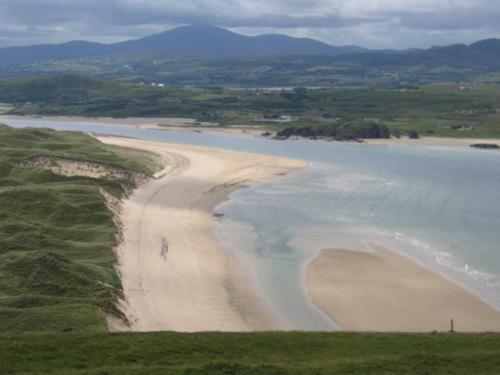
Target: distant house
x,y
300,90
277,118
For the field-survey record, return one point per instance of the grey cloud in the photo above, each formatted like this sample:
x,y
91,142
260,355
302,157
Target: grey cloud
x,y
455,20
36,21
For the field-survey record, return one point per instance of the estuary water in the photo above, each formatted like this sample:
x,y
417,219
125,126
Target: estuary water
x,y
438,206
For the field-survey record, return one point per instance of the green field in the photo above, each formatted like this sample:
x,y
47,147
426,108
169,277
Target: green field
x,y
56,233
439,110
254,353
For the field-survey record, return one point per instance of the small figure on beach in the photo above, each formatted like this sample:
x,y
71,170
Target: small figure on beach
x,y
164,248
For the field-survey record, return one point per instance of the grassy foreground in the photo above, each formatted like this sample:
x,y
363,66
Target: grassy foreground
x,y
254,353
56,233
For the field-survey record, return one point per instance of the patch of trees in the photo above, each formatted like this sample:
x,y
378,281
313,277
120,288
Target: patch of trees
x,y
340,132
413,135
486,146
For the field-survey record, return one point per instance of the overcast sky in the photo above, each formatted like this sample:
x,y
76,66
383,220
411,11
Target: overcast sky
x,y
369,23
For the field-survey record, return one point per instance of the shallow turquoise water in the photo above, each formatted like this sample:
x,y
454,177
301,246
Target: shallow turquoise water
x,y
439,206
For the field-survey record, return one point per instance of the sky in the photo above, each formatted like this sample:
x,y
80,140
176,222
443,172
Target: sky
x,y
369,23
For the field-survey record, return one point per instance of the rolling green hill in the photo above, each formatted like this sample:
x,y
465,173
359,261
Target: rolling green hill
x,y
441,110
56,233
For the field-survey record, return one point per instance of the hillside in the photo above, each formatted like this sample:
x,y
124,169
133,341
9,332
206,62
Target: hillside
x,y
482,55
440,110
57,234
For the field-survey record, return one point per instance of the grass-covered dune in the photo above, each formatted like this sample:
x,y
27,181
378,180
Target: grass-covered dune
x,y
56,233
253,353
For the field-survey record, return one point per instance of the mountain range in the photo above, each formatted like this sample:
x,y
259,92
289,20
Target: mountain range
x,y
216,42
201,41
210,55
484,54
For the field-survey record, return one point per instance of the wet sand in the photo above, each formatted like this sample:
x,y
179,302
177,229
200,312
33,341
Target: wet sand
x,y
383,291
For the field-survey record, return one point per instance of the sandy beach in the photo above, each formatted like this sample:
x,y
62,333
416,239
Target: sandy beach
x,y
176,274
157,123
383,291
128,121
433,141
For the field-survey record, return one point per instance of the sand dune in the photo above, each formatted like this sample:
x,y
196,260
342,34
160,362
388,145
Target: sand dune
x,y
383,291
175,273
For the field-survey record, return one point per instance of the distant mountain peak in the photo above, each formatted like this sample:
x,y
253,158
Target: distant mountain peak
x,y
196,40
214,41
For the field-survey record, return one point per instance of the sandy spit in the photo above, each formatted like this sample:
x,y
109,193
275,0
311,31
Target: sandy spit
x,y
129,121
175,273
157,123
190,125
434,141
383,291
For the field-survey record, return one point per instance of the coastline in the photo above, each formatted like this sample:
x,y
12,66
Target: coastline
x,y
190,125
243,308
384,291
433,141
176,274
156,123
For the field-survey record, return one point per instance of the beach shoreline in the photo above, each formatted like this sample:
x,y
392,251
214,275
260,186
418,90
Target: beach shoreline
x,y
174,214
176,274
381,290
191,125
156,123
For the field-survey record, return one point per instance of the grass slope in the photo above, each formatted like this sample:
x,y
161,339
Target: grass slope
x,y
254,353
56,234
